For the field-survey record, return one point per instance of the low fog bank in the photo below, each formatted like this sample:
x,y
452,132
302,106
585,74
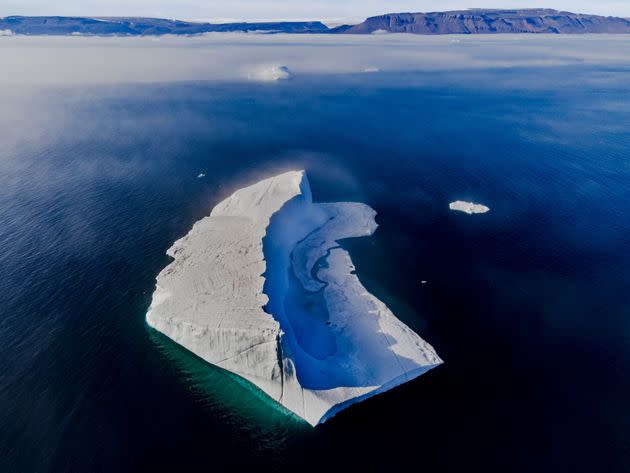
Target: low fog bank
x,y
236,57
59,91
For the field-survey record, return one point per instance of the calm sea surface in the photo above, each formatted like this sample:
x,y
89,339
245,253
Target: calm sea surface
x,y
529,305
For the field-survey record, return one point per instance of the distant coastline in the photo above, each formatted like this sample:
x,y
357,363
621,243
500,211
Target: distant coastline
x,y
474,21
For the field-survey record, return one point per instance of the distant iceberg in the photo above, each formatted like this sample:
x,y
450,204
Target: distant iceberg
x,y
270,74
468,207
262,288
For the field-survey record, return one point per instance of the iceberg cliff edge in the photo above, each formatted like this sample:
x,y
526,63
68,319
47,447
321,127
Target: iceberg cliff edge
x,y
261,288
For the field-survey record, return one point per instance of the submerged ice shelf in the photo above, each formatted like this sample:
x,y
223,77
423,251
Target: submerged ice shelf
x,y
261,288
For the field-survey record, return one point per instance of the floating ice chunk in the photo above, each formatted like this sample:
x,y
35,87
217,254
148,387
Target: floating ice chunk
x,y
6,33
468,207
371,70
200,175
270,73
261,288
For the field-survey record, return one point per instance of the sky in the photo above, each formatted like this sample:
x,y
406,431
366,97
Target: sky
x,y
328,10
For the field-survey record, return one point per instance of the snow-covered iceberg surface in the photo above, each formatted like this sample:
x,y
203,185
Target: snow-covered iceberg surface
x,y
262,289
468,207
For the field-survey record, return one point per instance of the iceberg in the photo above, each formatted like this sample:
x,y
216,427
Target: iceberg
x,y
468,207
270,74
262,289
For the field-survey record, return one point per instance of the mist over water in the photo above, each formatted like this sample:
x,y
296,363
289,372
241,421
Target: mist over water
x,y
528,305
73,61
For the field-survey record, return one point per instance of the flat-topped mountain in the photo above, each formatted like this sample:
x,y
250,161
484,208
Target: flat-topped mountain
x,y
479,21
62,26
476,21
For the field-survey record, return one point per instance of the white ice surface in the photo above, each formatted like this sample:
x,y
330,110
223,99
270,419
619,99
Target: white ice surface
x,y
468,207
210,300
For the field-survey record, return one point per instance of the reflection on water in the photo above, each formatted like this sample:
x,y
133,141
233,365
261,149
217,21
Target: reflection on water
x,y
235,400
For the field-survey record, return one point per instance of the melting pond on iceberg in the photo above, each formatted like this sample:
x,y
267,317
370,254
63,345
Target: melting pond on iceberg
x,y
334,331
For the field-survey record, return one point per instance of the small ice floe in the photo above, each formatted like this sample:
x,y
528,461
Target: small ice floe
x,y
6,33
468,207
200,175
380,31
423,282
368,70
270,74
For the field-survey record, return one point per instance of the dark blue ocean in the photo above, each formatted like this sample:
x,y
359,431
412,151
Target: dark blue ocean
x,y
529,305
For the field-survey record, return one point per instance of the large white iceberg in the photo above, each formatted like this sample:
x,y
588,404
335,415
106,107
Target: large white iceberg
x,y
261,288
